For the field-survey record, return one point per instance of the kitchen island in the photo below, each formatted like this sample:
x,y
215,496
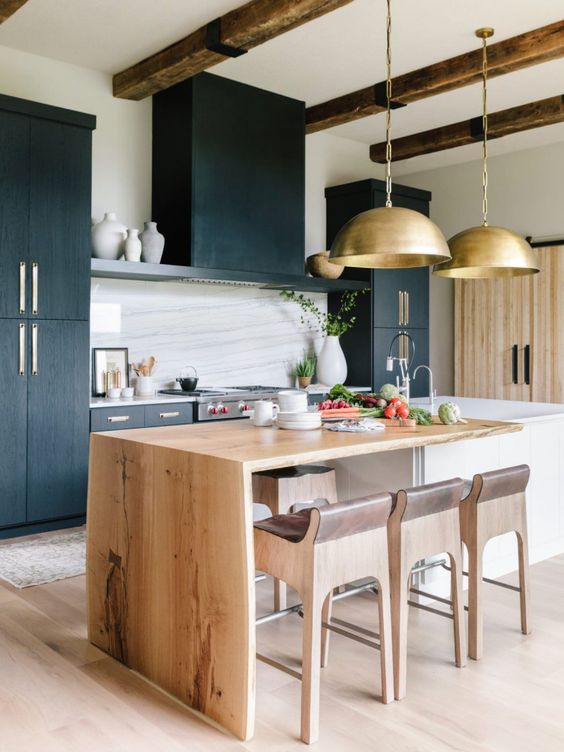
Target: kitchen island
x,y
170,565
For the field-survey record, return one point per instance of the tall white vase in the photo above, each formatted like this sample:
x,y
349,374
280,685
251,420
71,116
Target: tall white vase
x,y
132,245
331,363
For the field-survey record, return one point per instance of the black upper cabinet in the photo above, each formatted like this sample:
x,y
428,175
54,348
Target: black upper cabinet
x,y
59,222
229,176
14,213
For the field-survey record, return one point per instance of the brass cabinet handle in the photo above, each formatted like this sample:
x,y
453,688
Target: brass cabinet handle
x,y
22,286
34,366
400,307
170,415
34,287
21,370
406,309
118,418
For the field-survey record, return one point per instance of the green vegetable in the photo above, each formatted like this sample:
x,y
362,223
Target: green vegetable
x,y
340,392
371,412
423,417
389,391
449,413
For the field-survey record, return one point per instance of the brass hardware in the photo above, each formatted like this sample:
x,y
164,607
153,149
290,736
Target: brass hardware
x,y
22,286
389,237
34,287
486,252
406,321
170,415
400,307
118,418
34,358
22,350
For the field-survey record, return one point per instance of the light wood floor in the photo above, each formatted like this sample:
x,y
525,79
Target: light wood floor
x,y
59,694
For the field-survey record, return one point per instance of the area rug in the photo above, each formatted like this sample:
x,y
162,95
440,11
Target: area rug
x,y
41,560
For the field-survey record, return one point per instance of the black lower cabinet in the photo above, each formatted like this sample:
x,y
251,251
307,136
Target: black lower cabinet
x,y
13,452
382,338
58,421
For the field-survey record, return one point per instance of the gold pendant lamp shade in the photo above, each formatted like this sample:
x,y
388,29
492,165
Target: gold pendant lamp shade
x,y
485,252
389,237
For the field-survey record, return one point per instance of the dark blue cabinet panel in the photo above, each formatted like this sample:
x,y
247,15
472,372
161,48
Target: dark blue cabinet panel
x,y
59,219
13,450
58,421
14,208
401,297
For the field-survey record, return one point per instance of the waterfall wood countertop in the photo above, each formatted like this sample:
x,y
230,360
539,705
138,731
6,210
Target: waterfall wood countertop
x,y
170,562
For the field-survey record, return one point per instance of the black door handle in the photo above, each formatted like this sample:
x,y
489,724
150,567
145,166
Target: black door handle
x,y
514,362
527,365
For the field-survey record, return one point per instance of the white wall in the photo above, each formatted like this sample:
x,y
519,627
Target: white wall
x,y
525,194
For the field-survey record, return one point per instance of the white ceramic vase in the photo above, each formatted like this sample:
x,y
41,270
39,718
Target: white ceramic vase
x,y
153,244
132,245
331,363
108,238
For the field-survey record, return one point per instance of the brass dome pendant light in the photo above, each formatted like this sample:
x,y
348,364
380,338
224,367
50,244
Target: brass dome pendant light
x,y
487,251
389,237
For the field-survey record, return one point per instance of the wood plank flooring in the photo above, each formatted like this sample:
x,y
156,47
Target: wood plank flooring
x,y
59,694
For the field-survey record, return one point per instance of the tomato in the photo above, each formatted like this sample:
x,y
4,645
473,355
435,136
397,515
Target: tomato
x,y
390,412
403,411
395,402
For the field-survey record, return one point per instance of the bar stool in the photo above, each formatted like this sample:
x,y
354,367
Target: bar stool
x,y
316,550
280,490
495,504
425,522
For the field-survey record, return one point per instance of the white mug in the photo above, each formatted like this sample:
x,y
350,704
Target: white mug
x,y
264,412
292,401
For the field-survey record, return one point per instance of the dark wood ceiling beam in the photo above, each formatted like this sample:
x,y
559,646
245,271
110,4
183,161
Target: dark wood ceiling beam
x,y
9,7
241,29
531,48
503,123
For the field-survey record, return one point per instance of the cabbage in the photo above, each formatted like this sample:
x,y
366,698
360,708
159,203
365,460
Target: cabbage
x,y
449,413
389,391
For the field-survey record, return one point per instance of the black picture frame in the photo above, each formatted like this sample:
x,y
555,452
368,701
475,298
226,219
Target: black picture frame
x,y
100,363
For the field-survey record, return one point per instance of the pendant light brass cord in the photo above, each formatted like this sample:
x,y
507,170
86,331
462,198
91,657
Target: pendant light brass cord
x,y
485,130
388,105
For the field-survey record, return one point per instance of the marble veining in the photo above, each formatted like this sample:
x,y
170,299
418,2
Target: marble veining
x,y
231,335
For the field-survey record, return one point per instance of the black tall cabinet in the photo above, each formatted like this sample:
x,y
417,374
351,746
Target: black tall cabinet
x,y
399,298
45,207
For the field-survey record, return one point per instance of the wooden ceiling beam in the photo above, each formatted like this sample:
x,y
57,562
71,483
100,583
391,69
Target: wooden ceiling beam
x,y
237,31
503,123
530,48
9,7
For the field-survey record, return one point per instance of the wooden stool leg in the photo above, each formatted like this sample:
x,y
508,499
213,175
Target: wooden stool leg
x,y
311,665
325,633
523,548
475,612
399,609
386,654
457,608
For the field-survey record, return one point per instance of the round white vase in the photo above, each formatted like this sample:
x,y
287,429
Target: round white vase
x,y
331,363
132,245
153,244
108,238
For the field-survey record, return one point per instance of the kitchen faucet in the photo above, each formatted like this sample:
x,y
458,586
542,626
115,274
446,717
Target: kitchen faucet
x,y
404,363
432,394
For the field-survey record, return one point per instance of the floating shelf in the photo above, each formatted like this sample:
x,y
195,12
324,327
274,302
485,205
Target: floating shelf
x,y
192,274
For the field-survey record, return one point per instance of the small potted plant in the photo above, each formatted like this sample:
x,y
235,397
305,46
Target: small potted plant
x,y
304,370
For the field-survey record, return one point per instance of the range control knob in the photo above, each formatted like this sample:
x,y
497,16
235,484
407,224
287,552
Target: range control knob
x,y
212,410
243,407
224,410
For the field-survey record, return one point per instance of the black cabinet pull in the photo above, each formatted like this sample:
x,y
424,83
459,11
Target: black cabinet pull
x,y
527,365
514,361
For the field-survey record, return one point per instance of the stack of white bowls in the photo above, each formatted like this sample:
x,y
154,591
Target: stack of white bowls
x,y
293,414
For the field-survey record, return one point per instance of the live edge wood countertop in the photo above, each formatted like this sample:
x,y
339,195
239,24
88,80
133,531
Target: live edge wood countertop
x,y
170,564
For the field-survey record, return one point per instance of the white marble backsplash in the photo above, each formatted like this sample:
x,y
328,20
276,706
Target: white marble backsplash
x,y
231,335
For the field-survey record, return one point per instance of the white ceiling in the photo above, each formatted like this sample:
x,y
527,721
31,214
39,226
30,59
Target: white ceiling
x,y
338,53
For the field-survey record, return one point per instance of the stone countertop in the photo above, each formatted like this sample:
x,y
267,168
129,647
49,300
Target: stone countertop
x,y
156,400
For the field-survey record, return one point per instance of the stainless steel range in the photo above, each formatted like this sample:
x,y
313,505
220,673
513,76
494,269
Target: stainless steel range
x,y
225,403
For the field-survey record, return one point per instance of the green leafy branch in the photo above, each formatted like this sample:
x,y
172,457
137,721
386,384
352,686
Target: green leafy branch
x,y
332,324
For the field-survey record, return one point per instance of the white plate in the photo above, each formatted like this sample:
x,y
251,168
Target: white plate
x,y
299,428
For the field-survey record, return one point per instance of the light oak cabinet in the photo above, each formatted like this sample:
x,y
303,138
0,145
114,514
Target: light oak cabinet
x,y
509,335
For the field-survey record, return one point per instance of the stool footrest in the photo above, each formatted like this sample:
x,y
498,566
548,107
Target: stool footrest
x,y
505,585
431,610
351,635
279,666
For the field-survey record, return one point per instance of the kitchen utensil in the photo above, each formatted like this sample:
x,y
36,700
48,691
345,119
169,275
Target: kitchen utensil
x,y
144,386
318,265
152,362
292,401
264,412
136,368
188,383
